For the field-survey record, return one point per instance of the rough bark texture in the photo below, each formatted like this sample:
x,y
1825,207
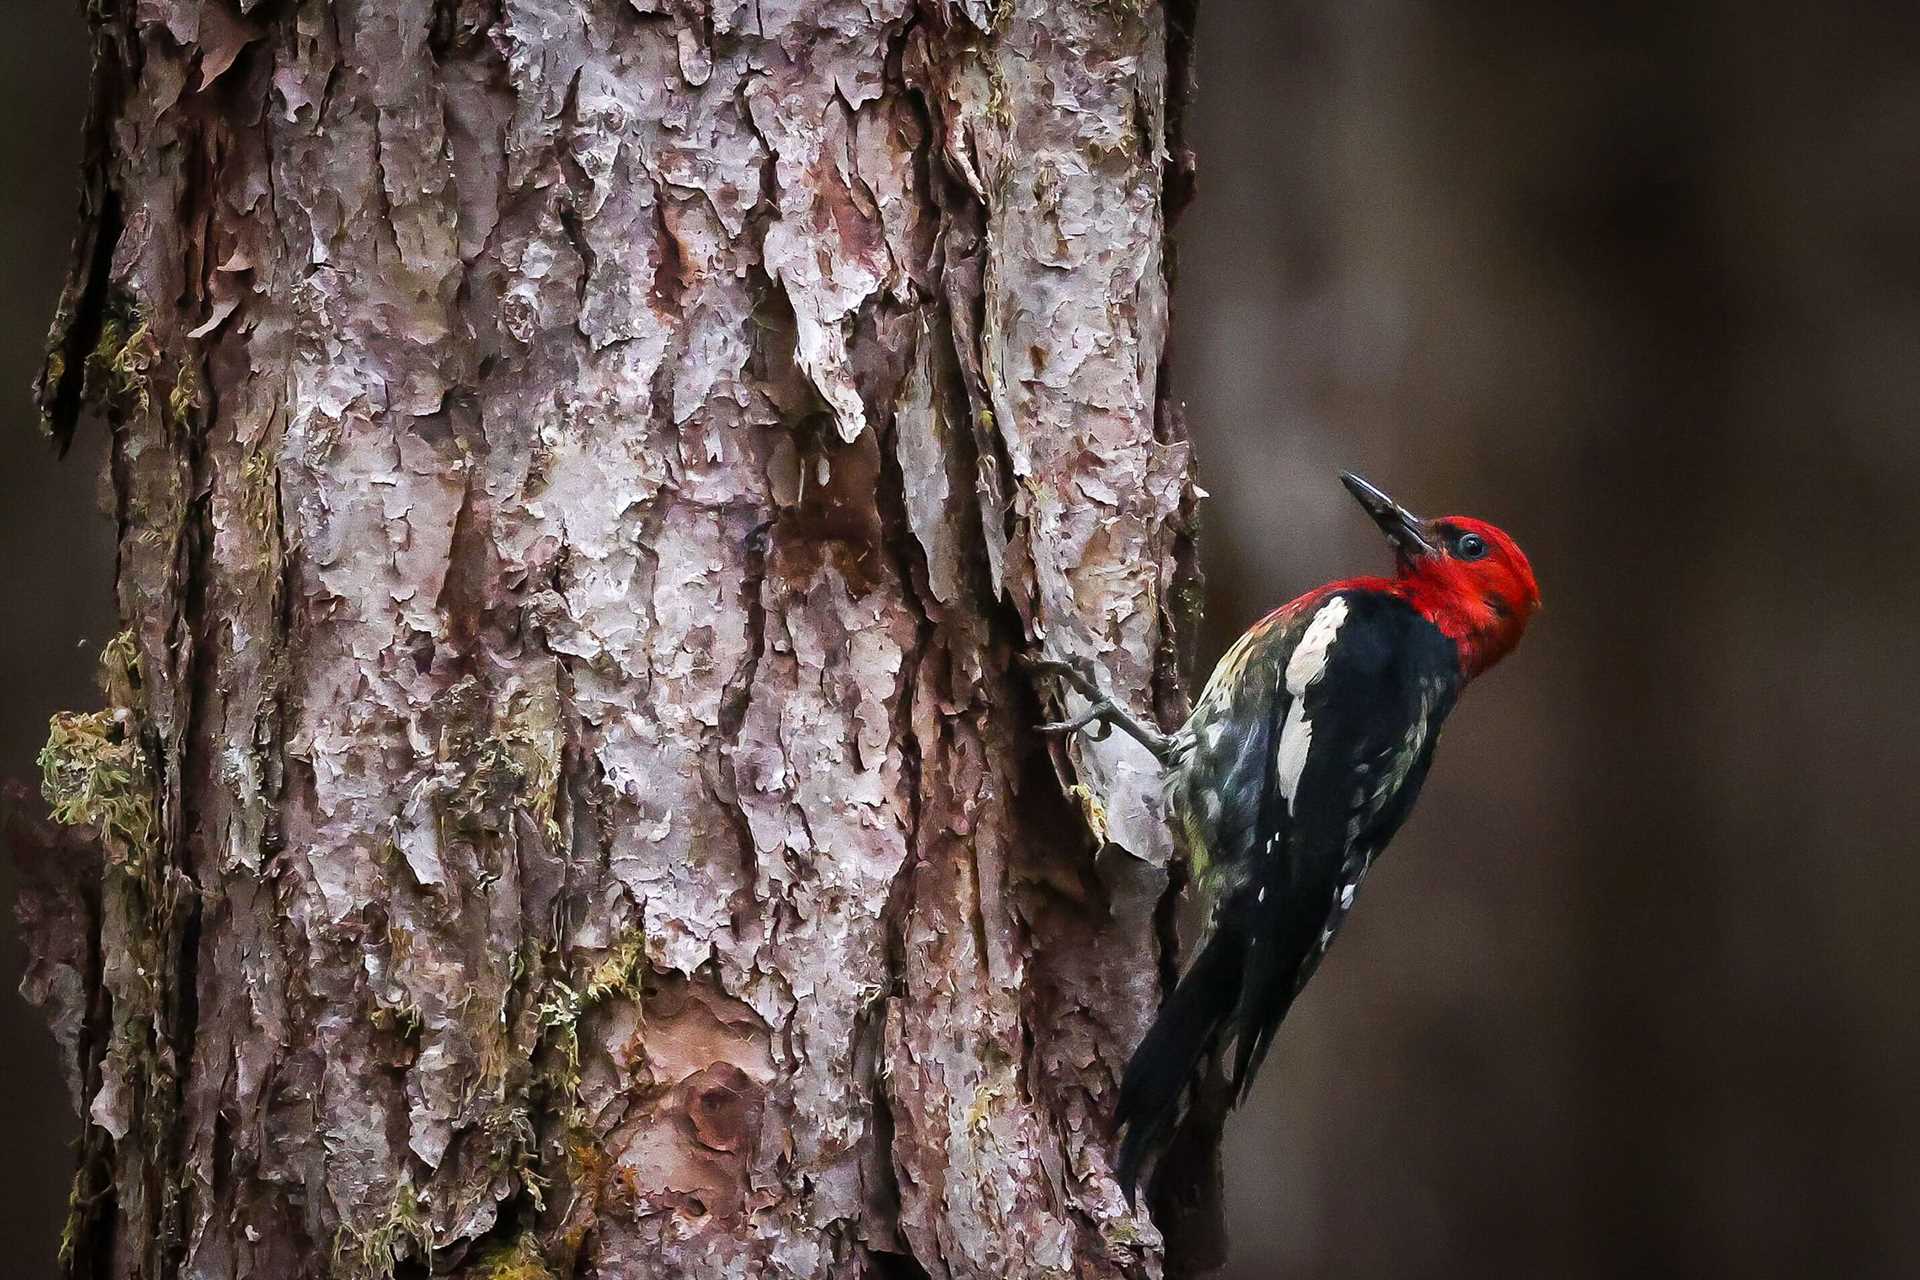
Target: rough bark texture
x,y
585,472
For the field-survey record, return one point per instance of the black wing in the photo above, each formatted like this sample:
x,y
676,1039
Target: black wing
x,y
1389,680
1292,847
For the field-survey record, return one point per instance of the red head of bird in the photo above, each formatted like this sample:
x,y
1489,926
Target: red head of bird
x,y
1464,575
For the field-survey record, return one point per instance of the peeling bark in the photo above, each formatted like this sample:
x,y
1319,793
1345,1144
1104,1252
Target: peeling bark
x,y
585,470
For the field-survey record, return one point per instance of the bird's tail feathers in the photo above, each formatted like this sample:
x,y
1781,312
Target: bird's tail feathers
x,y
1263,995
1153,1093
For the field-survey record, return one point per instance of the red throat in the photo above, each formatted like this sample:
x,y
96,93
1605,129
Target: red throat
x,y
1481,634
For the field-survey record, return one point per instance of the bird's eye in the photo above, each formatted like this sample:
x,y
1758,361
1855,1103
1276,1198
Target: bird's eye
x,y
1469,546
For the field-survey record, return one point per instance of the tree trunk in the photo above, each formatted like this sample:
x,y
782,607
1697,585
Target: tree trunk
x,y
585,471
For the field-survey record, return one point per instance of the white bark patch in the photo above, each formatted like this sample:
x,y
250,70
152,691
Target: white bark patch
x,y
1304,668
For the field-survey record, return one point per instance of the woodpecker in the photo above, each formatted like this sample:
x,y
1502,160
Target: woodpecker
x,y
1303,755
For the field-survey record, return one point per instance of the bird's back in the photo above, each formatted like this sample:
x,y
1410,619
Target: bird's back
x,y
1383,661
1303,755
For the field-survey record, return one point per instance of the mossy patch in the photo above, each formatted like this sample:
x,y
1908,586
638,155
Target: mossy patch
x,y
121,367
260,493
1096,812
403,1020
508,754
127,370
621,972
375,1249
99,769
521,1260
88,1190
618,973
509,1129
94,769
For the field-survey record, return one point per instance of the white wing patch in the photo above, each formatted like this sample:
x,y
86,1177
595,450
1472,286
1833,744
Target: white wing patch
x,y
1305,666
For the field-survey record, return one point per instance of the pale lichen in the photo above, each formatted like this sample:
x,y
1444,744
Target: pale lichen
x,y
514,1155
403,1020
619,973
184,399
260,495
375,1249
506,756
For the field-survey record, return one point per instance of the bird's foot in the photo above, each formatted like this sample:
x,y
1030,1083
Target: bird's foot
x,y
1103,711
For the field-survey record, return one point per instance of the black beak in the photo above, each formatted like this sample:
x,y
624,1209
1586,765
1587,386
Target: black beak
x,y
1404,530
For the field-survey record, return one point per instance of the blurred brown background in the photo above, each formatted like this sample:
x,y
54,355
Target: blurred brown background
x,y
56,572
1633,994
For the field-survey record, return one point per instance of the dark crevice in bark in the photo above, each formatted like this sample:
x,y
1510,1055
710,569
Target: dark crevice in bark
x,y
737,695
460,28
1185,591
94,1216
186,1023
886,1195
670,274
582,781
578,189
172,900
897,1266
382,191
192,405
517,1216
60,389
909,565
893,920
77,332
957,254
582,778
324,108
577,237
462,602
270,724
442,29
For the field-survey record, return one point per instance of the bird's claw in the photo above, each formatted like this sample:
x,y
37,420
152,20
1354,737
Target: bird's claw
x,y
1080,672
1103,711
1093,720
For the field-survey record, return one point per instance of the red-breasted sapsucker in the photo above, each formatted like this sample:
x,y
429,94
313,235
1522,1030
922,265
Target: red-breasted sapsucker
x,y
1302,757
